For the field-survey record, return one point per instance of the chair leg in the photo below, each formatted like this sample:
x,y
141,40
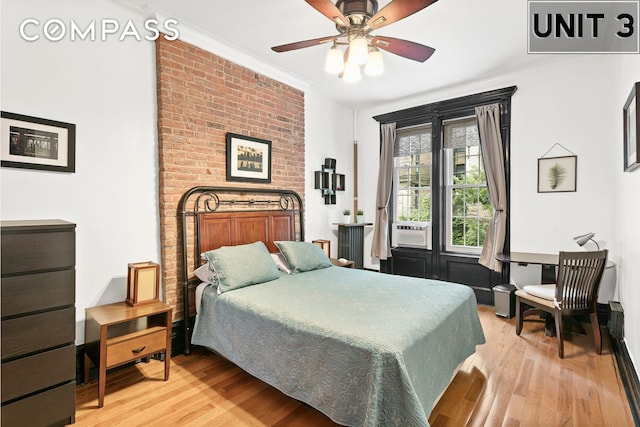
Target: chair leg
x,y
518,316
559,334
596,331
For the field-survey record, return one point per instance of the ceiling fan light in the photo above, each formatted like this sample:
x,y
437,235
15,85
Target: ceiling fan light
x,y
334,61
375,63
351,73
358,50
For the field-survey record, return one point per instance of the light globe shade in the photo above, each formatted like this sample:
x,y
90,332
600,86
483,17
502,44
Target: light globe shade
x,y
358,50
351,72
334,62
375,64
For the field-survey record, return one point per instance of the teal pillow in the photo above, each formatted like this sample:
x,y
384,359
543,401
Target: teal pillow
x,y
242,265
303,256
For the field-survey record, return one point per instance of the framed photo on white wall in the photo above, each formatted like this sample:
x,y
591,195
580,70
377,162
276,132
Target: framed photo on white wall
x,y
631,136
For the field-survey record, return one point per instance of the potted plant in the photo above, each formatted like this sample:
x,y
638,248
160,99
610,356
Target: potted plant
x,y
346,216
360,216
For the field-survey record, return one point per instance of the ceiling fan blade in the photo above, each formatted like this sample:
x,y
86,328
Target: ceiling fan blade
x,y
328,9
395,11
303,44
410,50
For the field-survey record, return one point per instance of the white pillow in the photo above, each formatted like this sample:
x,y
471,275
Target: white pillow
x,y
281,262
205,274
547,292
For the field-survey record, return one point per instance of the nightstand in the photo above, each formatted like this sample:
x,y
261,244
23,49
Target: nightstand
x,y
116,334
347,263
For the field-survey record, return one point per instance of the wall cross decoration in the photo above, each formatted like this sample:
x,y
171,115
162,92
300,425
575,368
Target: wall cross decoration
x,y
328,181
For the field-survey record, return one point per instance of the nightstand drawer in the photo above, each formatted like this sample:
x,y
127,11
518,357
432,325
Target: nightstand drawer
x,y
136,345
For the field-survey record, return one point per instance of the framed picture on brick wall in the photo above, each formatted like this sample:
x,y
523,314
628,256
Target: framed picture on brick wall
x,y
248,159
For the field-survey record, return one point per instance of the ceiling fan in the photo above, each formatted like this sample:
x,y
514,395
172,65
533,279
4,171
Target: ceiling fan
x,y
355,20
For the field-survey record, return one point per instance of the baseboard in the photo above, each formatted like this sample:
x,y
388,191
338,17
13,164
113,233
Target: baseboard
x,y
629,377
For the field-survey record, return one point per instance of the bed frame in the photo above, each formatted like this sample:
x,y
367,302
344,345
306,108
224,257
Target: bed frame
x,y
211,217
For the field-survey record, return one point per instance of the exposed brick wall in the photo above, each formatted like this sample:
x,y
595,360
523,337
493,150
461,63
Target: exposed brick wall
x,y
201,97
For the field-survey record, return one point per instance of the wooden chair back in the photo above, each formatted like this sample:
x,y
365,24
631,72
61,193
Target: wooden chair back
x,y
578,281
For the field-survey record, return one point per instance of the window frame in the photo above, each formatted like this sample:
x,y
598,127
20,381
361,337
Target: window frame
x,y
448,185
412,130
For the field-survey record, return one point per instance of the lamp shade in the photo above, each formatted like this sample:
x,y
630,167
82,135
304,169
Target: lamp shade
x,y
334,61
143,283
351,72
582,239
375,63
358,51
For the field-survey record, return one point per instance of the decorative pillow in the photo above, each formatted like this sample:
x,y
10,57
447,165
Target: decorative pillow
x,y
242,265
281,262
303,256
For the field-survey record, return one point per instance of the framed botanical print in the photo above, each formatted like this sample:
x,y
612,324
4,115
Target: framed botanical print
x,y
557,174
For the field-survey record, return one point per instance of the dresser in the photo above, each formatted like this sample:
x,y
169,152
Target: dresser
x,y
38,323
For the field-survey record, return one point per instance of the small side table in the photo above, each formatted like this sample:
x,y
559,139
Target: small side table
x,y
117,333
347,263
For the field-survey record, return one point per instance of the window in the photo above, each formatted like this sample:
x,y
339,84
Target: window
x,y
468,210
412,174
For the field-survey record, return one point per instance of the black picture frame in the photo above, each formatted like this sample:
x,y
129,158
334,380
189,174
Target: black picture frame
x,y
35,143
557,174
248,159
631,118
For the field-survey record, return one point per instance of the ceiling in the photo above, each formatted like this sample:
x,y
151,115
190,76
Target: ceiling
x,y
474,40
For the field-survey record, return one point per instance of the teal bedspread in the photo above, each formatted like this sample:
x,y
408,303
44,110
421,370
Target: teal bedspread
x,y
365,348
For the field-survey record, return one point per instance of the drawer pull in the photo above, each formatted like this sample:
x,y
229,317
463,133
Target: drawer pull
x,y
138,350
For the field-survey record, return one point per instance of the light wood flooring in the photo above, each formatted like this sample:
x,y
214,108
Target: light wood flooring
x,y
510,381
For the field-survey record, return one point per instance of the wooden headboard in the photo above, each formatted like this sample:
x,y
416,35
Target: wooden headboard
x,y
211,217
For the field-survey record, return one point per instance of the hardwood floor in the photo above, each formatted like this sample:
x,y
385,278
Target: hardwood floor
x,y
510,381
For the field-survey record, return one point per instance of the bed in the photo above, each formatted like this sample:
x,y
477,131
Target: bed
x,y
365,348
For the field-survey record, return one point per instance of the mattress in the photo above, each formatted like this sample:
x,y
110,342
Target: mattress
x,y
365,348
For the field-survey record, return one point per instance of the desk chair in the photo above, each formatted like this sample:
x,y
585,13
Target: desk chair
x,y
575,293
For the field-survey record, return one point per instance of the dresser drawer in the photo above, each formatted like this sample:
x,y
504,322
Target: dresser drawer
x,y
37,292
37,372
25,252
37,332
136,345
43,409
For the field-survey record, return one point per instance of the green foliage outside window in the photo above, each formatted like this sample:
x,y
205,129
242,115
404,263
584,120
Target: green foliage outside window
x,y
471,208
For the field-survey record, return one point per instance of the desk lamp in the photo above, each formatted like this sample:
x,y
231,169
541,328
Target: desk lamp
x,y
584,238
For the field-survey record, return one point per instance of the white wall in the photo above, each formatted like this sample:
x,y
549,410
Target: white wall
x,y
108,90
624,214
575,101
328,133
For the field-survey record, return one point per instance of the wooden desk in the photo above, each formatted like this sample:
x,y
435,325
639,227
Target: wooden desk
x,y
549,262
525,258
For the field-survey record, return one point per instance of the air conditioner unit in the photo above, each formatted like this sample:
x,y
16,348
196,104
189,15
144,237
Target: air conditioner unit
x,y
412,234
